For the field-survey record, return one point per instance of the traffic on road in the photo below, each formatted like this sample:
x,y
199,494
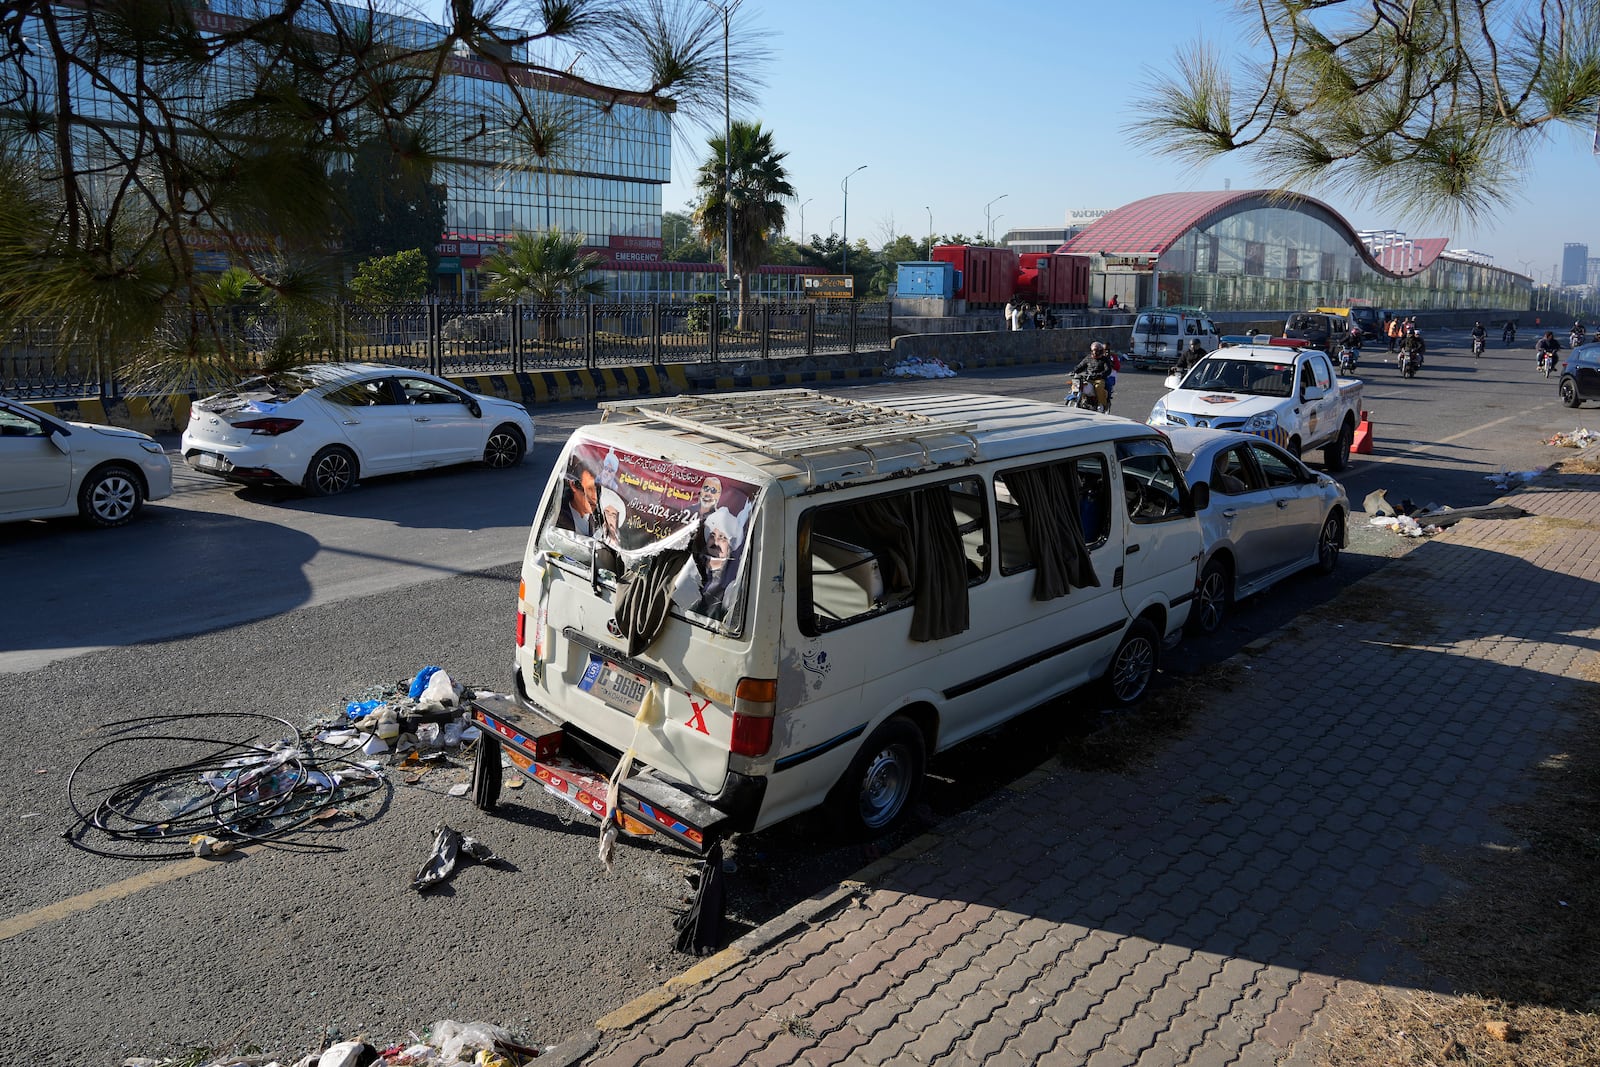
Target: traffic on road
x,y
225,601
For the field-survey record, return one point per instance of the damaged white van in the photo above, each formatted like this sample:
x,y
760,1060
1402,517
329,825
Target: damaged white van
x,y
738,607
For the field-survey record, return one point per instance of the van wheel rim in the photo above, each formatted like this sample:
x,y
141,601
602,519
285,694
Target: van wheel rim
x,y
1135,664
885,786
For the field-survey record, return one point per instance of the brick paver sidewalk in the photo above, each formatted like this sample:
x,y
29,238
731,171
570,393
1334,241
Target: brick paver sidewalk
x,y
1202,910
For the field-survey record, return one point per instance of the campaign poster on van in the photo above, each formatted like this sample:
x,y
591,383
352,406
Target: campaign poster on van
x,y
630,502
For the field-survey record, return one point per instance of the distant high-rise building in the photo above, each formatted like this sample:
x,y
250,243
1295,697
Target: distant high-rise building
x,y
1594,272
1574,264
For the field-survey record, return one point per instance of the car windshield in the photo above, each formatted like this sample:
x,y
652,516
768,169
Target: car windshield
x,y
1305,322
1246,376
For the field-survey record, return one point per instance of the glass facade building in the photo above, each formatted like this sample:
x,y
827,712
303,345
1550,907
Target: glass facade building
x,y
601,175
1256,250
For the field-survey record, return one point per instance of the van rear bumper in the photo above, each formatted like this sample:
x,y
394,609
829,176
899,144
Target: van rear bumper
x,y
691,816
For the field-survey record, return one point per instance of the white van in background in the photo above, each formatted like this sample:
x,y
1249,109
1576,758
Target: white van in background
x,y
1160,334
771,601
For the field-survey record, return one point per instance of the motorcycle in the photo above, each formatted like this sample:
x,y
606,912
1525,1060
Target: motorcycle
x,y
1081,394
1348,355
1477,347
1575,338
1509,336
1409,363
1547,363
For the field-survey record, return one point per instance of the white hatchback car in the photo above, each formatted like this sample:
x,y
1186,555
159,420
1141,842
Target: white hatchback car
x,y
322,426
1269,516
50,467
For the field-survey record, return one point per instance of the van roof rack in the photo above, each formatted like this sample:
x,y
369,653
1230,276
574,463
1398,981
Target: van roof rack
x,y
795,424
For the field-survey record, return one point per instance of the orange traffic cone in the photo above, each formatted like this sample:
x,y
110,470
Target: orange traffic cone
x,y
1362,442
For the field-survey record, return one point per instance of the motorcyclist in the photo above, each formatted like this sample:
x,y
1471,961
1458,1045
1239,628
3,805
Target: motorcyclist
x,y
1188,357
1577,334
1508,334
1412,345
1480,336
1547,344
1096,367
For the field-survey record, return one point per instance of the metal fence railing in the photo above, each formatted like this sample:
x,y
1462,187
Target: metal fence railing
x,y
465,339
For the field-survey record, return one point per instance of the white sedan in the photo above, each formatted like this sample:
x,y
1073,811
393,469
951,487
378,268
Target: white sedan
x,y
50,467
322,426
1269,516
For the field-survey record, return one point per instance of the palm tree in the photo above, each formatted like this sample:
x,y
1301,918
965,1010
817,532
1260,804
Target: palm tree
x,y
760,185
542,268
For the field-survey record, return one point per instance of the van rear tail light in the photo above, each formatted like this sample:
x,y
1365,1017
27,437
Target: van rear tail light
x,y
754,700
522,614
268,427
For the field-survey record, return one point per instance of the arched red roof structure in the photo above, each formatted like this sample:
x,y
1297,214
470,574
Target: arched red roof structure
x,y
1150,226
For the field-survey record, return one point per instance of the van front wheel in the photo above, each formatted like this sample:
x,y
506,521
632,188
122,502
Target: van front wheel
x,y
1134,666
876,793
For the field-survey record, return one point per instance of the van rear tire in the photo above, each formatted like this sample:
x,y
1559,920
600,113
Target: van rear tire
x,y
877,792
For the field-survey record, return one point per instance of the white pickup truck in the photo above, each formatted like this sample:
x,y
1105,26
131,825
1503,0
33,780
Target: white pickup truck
x,y
1290,396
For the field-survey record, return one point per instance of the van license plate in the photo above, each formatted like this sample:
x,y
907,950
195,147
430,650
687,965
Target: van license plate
x,y
621,689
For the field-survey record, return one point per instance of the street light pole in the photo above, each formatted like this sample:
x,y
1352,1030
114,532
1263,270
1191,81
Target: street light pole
x,y
726,9
845,185
929,210
803,219
988,224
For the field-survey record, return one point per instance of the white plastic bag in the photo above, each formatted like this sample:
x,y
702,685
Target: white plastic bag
x,y
460,1041
440,692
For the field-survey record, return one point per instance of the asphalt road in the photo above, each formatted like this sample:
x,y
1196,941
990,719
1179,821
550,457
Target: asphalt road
x,y
222,601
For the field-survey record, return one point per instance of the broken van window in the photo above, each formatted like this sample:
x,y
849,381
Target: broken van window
x,y
638,506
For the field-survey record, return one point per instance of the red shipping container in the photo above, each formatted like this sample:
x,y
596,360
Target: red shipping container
x,y
988,275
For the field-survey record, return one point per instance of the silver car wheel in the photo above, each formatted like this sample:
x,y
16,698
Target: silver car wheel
x,y
111,497
333,470
504,449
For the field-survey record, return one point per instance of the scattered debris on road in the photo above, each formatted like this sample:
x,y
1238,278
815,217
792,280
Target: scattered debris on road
x,y
1574,439
449,845
920,367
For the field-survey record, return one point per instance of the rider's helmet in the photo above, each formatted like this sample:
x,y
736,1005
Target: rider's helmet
x,y
1098,348
1477,325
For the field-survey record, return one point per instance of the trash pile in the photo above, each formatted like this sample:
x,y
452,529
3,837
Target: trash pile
x,y
423,712
919,367
1512,479
208,795
446,1043
1402,518
1575,439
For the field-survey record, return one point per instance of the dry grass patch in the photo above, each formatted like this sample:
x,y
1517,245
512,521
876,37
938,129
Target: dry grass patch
x,y
1521,941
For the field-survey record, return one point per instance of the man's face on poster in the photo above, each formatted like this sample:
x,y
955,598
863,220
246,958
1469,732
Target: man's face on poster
x,y
584,494
710,495
718,547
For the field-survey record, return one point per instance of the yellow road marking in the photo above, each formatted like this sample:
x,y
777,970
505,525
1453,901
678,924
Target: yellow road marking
x,y
61,909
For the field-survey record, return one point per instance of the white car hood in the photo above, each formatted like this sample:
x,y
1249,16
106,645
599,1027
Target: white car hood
x,y
1219,403
112,431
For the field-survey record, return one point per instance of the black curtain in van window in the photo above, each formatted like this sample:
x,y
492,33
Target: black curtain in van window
x,y
914,538
1049,499
941,567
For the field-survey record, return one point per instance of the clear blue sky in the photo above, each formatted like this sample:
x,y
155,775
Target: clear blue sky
x,y
952,104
